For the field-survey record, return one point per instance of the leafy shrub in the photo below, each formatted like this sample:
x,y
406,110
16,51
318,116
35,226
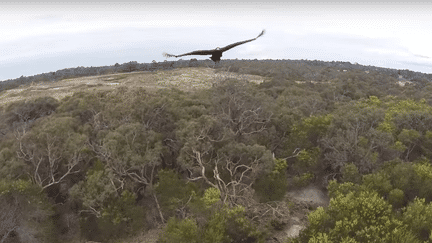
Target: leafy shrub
x,y
396,198
173,192
121,217
211,196
350,173
25,212
181,231
423,180
307,159
273,186
112,215
418,216
379,182
303,180
231,225
24,111
361,216
402,176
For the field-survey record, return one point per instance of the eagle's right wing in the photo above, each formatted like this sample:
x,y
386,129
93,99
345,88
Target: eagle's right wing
x,y
199,52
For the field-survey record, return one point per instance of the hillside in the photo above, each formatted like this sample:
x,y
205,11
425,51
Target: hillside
x,y
251,151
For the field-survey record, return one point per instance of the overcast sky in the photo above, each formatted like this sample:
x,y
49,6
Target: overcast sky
x,y
44,37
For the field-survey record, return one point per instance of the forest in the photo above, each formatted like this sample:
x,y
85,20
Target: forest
x,y
105,165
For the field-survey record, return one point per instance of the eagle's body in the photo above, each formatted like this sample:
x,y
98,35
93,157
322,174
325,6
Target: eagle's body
x,y
216,53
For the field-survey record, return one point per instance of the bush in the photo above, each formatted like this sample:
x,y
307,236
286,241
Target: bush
x,y
180,231
303,180
362,216
24,111
350,173
273,186
173,192
25,213
231,225
396,198
379,182
418,216
109,215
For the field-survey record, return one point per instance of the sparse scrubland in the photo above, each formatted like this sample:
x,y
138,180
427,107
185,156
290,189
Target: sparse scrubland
x,y
213,163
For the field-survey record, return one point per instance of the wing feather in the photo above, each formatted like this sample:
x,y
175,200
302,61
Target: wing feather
x,y
226,48
198,52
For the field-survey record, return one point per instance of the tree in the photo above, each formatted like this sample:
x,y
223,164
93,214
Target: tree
x,y
132,152
131,66
106,202
234,166
52,150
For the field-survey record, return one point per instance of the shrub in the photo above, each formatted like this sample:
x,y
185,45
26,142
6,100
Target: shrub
x,y
173,192
362,216
273,186
418,216
179,231
379,182
25,212
396,198
303,180
350,173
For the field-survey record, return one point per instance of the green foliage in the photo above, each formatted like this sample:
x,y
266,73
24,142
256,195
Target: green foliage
x,y
224,225
361,216
401,175
335,189
181,231
350,174
173,192
399,146
379,182
211,196
408,136
116,214
133,145
231,225
273,186
25,111
423,180
303,180
307,159
121,217
418,216
396,198
24,207
230,128
406,114
10,166
311,129
96,191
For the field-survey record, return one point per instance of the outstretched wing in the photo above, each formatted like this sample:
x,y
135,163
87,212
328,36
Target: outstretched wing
x,y
199,52
226,48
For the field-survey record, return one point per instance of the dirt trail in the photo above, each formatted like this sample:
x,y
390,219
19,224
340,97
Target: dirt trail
x,y
308,198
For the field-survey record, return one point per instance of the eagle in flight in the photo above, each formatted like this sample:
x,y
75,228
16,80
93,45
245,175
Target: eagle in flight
x,y
216,53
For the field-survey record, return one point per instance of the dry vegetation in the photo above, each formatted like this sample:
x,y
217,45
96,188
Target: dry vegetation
x,y
182,78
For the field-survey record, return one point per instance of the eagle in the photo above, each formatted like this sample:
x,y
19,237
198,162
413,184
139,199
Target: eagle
x,y
216,53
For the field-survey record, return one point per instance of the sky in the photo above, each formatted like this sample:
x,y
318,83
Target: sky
x,y
40,37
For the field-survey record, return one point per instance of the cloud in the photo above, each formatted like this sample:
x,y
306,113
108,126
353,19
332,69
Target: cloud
x,y
421,56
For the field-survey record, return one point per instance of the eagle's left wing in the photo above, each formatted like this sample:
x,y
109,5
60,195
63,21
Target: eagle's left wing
x,y
198,52
226,48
